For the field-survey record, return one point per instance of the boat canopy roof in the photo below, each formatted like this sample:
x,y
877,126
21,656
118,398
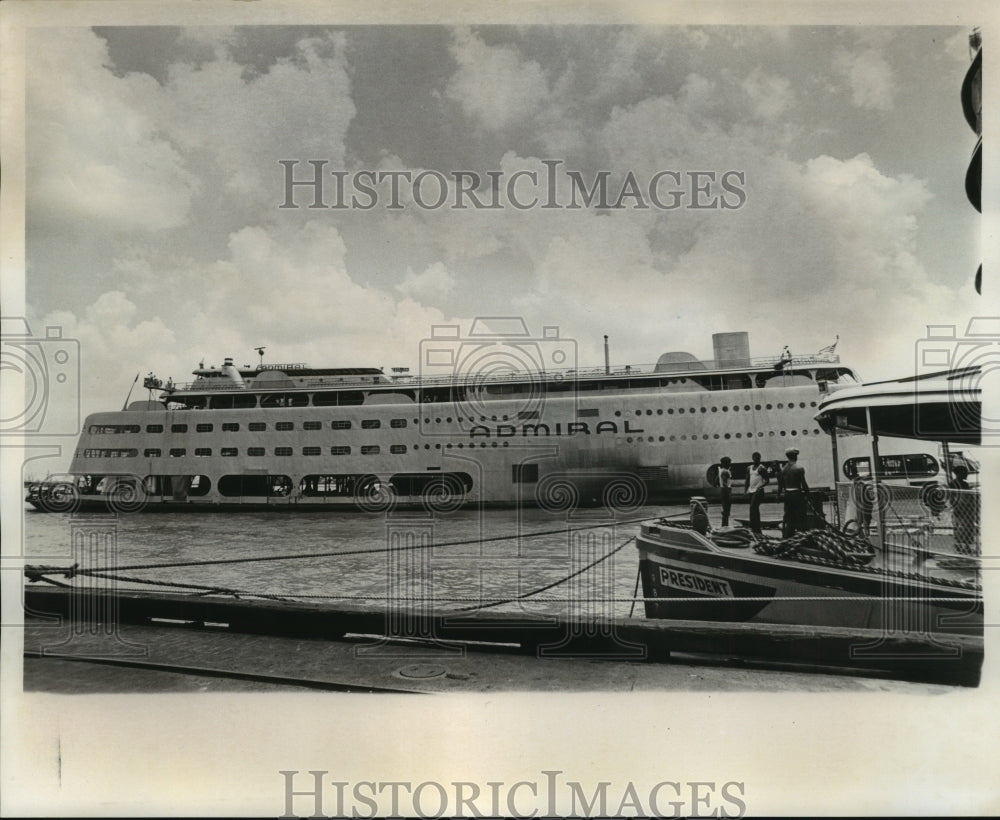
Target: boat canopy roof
x,y
944,407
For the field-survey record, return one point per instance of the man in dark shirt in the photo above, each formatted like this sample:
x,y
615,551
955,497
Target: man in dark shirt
x,y
794,479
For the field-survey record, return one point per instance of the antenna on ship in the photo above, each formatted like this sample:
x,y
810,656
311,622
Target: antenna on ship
x,y
260,352
607,359
125,406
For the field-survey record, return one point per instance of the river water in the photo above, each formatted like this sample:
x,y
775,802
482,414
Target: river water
x,y
465,559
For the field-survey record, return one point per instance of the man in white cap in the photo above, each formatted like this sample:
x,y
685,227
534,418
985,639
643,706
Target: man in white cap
x,y
794,480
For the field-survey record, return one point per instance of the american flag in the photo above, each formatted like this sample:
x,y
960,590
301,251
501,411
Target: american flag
x,y
831,348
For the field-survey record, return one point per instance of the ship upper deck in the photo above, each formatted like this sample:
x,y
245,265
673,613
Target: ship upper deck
x,y
302,377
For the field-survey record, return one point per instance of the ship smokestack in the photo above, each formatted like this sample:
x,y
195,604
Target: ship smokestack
x,y
731,349
232,373
607,358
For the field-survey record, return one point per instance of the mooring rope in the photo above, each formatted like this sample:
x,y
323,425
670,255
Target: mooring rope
x,y
541,589
366,551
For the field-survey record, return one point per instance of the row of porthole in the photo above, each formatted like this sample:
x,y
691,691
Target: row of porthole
x,y
759,434
725,408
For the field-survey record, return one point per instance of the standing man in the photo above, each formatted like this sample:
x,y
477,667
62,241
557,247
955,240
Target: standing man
x,y
754,487
794,479
964,511
726,484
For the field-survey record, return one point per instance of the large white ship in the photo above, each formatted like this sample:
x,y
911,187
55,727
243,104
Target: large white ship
x,y
492,419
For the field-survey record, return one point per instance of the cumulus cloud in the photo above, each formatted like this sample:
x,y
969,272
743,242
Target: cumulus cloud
x,y
495,85
869,77
96,151
436,281
769,94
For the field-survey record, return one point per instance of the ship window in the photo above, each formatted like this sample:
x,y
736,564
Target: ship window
x,y
341,424
370,450
234,486
338,398
203,451
242,401
524,473
154,428
397,449
311,451
284,426
178,428
431,484
110,453
113,428
221,402
587,413
282,451
370,424
204,428
177,452
151,452
284,400
340,450
397,423
231,427
257,426
255,451
229,452
312,425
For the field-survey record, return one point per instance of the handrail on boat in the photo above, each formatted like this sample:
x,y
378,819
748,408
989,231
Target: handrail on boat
x,y
678,369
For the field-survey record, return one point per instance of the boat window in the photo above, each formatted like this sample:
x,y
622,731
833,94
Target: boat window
x,y
203,451
341,424
257,426
221,402
370,424
284,400
178,428
913,465
98,429
229,452
231,427
154,428
311,451
419,484
340,450
204,428
237,486
338,398
105,452
282,451
151,452
177,452
312,425
284,426
397,423
370,449
397,449
340,486
255,451
242,401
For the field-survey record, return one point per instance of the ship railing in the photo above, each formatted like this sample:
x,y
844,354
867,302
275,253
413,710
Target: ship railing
x,y
679,369
931,519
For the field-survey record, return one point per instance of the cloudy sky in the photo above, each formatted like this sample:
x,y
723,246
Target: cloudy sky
x,y
155,234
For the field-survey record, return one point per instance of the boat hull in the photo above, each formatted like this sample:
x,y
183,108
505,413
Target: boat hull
x,y
686,576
